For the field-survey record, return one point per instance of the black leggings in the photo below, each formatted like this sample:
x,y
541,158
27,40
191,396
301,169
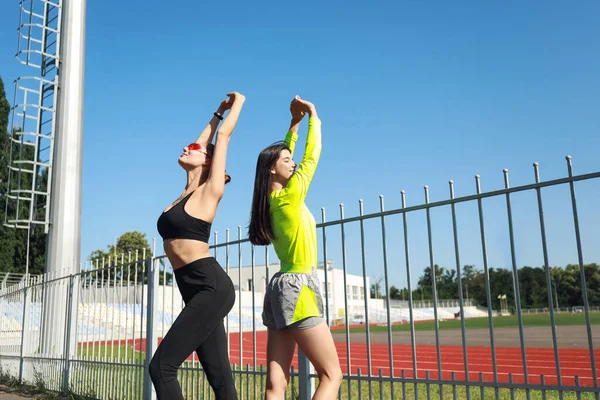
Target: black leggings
x,y
209,295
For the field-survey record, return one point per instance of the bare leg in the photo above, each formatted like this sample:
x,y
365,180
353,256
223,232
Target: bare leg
x,y
280,351
318,345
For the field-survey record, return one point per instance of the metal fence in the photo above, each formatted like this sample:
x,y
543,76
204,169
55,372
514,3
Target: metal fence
x,y
115,312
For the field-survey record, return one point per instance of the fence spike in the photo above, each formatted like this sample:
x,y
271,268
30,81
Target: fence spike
x,y
536,169
569,166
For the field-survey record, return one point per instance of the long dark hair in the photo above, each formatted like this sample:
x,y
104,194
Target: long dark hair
x,y
260,230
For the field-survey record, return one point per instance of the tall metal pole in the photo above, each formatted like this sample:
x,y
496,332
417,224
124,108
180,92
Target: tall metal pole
x,y
64,234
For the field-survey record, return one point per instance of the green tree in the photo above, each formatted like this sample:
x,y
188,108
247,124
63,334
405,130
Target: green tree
x,y
501,283
13,241
563,284
477,291
533,286
395,293
448,285
128,245
468,276
532,282
398,294
426,283
7,235
571,285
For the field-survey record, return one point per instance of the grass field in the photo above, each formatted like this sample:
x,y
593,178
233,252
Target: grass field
x,y
509,321
125,382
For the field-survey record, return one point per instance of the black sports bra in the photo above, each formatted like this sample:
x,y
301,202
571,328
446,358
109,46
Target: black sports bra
x,y
176,223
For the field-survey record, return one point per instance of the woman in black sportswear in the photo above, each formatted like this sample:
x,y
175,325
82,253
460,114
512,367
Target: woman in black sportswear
x,y
206,289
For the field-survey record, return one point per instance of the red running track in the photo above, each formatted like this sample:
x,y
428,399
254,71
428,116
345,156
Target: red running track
x,y
540,361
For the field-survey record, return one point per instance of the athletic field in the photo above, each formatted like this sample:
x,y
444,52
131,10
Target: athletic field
x,y
571,334
571,338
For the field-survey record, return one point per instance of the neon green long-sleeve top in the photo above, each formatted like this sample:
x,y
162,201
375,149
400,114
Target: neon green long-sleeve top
x,y
294,226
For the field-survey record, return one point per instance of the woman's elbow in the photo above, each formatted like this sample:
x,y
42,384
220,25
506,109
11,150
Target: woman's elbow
x,y
223,134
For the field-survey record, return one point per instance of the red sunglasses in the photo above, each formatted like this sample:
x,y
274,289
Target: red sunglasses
x,y
197,147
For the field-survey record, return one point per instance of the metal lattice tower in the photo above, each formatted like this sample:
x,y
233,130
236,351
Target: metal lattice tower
x,y
33,116
44,182
44,177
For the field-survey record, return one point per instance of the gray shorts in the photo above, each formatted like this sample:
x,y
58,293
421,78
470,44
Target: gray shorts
x,y
292,298
306,323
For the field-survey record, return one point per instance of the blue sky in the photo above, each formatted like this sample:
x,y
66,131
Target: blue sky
x,y
410,93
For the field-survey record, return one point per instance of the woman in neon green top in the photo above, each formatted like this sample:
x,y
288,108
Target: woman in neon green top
x,y
293,307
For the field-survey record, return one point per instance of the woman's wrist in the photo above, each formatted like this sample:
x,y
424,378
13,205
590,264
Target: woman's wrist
x,y
220,113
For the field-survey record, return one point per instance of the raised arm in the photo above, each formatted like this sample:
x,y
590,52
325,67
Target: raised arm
x,y
216,177
292,135
302,178
209,131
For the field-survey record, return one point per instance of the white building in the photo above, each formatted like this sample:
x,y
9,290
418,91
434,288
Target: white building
x,y
355,288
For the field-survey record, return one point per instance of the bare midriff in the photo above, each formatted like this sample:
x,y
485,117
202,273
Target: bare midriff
x,y
181,252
